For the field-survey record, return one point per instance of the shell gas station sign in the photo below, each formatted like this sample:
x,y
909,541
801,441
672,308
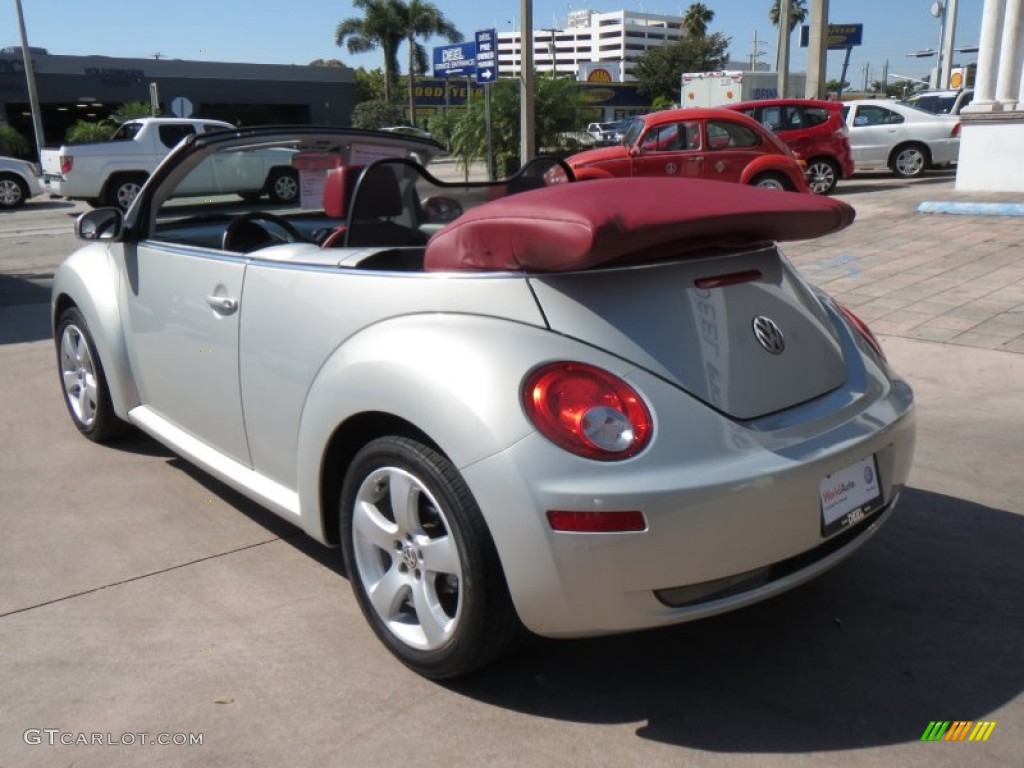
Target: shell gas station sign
x,y
599,72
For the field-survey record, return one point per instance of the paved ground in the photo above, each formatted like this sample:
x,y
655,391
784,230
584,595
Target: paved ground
x,y
137,595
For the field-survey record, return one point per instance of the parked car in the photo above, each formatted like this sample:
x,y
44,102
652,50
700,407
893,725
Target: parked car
x,y
906,140
19,181
714,144
949,102
608,133
409,130
510,404
814,130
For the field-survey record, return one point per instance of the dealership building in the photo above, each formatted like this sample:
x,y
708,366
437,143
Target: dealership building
x,y
91,87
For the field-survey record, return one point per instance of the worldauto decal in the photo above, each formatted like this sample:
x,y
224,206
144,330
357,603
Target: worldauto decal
x,y
833,493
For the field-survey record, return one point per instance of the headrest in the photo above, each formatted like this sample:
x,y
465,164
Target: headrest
x,y
576,226
338,188
378,195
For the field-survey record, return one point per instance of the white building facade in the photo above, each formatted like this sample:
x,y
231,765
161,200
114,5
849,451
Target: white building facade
x,y
616,37
992,130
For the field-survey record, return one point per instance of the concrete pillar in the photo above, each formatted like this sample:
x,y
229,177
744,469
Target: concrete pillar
x,y
817,50
1008,77
988,56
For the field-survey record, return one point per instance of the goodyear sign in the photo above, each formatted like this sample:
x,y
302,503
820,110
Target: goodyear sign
x,y
840,36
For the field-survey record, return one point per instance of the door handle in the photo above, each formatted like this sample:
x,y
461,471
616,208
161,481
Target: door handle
x,y
223,305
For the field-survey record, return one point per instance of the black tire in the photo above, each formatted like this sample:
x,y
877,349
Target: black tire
x,y
283,185
470,619
13,191
822,175
774,181
122,189
910,161
83,381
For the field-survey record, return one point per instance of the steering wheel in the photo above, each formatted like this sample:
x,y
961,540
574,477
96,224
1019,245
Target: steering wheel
x,y
244,235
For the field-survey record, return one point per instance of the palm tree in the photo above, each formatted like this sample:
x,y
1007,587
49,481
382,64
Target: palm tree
x,y
421,18
697,18
381,26
797,13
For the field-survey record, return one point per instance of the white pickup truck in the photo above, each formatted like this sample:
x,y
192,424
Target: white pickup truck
x,y
112,172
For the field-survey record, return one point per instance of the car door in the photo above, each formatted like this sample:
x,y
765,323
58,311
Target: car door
x,y
730,148
182,306
670,149
874,130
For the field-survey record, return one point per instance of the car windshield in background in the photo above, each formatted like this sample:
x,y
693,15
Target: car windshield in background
x,y
631,130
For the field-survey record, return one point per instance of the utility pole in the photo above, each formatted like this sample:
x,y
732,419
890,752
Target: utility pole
x,y
949,38
527,128
754,53
817,49
783,62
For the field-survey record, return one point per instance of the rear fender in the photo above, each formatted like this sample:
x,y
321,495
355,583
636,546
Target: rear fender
x,y
774,164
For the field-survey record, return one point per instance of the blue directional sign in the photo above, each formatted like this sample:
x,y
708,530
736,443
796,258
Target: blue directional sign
x,y
839,36
452,60
486,56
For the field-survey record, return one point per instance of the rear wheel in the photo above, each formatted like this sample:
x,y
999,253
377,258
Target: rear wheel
x,y
421,560
910,161
85,385
13,191
123,189
283,185
822,175
771,181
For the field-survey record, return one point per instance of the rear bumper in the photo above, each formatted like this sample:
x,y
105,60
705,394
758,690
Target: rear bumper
x,y
733,515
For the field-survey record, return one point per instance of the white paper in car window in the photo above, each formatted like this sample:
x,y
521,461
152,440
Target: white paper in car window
x,y
311,188
364,154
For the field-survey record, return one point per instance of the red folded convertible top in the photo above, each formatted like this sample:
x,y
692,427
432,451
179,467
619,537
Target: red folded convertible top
x,y
569,227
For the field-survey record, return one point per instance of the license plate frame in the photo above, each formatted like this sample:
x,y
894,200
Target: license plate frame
x,y
849,496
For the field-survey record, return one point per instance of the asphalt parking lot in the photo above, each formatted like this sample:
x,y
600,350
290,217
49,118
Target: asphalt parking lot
x,y
142,601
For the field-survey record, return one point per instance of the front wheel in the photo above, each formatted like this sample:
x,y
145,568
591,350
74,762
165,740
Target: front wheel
x,y
84,383
283,185
910,161
822,175
771,181
421,560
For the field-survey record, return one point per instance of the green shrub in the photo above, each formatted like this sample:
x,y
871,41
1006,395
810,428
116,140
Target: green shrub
x,y
376,114
12,143
82,131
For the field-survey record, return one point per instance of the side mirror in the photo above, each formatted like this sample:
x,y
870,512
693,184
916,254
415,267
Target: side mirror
x,y
101,224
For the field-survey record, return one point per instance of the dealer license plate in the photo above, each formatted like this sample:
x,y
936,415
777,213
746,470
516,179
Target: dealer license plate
x,y
849,495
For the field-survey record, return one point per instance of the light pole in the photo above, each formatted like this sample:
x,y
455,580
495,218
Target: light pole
x,y
30,77
527,129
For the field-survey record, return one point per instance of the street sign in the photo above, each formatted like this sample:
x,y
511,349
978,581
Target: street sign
x,y
486,56
839,36
453,60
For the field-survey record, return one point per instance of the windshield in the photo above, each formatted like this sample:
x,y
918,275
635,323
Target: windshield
x,y
632,131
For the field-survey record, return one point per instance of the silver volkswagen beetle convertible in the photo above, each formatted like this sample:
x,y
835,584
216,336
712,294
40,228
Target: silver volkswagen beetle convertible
x,y
514,406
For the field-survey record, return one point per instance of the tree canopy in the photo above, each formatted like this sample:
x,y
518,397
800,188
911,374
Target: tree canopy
x,y
697,18
659,70
422,19
381,26
797,13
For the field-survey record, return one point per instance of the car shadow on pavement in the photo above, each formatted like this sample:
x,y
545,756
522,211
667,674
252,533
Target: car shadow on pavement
x,y
39,205
864,184
924,623
24,307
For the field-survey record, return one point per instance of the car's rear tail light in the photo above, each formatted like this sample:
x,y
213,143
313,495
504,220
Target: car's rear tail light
x,y
955,133
587,411
574,521
66,161
862,328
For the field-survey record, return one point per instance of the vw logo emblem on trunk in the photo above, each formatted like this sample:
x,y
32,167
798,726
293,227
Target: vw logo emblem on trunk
x,y
769,335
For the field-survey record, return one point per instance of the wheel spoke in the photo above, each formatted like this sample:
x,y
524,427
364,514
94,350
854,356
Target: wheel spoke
x,y
70,382
435,624
371,526
441,555
388,594
85,406
404,497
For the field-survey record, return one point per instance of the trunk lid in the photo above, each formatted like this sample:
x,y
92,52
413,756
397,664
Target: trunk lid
x,y
685,322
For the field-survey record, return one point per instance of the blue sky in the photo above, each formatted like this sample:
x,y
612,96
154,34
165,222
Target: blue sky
x,y
296,32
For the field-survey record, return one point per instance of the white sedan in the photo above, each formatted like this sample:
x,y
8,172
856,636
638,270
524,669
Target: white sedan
x,y
19,180
906,140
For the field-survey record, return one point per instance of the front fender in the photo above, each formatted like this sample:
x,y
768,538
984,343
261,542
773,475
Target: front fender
x,y
89,279
592,172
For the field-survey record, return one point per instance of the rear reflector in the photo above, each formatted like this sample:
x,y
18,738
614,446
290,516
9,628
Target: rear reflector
x,y
596,522
720,281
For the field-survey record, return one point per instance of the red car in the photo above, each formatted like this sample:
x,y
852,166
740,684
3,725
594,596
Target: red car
x,y
814,130
711,144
